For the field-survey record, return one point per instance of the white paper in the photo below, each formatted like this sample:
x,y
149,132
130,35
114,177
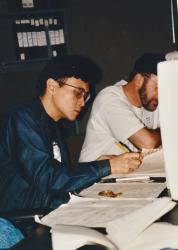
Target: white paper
x,y
131,232
128,190
96,213
152,165
157,236
129,227
72,237
93,210
152,238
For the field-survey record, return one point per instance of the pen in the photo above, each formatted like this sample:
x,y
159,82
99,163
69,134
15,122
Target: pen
x,y
157,179
144,178
168,248
122,147
126,179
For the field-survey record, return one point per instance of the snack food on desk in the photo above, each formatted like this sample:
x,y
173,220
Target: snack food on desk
x,y
109,193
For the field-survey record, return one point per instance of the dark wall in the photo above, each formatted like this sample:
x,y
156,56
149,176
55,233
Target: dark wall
x,y
16,87
115,32
112,32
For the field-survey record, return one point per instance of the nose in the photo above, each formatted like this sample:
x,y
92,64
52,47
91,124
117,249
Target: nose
x,y
81,101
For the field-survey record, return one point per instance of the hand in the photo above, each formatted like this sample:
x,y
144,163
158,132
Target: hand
x,y
125,163
105,157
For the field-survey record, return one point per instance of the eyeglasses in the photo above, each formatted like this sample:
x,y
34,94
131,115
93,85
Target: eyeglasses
x,y
79,93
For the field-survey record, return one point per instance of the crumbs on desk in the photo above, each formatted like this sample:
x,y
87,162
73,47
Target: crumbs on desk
x,y
146,151
109,193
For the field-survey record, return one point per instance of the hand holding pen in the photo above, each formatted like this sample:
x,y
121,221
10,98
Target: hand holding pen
x,y
125,163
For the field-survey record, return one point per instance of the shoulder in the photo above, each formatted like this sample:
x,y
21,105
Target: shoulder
x,y
28,110
111,96
110,92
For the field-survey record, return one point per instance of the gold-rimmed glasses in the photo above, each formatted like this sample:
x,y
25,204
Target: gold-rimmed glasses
x,y
79,93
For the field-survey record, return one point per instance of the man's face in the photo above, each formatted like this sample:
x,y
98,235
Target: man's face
x,y
149,92
69,97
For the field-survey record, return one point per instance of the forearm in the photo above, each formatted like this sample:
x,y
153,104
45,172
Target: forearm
x,y
146,138
85,174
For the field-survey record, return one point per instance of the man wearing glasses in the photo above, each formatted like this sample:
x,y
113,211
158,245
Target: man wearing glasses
x,y
124,116
35,169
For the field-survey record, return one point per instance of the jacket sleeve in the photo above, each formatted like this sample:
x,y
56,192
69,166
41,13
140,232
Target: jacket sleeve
x,y
29,149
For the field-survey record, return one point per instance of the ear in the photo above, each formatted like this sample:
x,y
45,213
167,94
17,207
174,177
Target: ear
x,y
51,84
139,80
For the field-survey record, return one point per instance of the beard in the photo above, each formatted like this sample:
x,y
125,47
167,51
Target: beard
x,y
148,104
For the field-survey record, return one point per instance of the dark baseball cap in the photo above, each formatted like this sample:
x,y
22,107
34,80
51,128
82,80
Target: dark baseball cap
x,y
147,63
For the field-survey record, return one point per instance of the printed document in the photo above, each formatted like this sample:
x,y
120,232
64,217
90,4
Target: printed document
x,y
93,210
133,231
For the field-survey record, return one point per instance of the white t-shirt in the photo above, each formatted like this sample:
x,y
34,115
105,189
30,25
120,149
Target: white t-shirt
x,y
114,119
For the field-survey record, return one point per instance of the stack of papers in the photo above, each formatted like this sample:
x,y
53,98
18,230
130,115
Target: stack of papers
x,y
130,232
92,210
129,227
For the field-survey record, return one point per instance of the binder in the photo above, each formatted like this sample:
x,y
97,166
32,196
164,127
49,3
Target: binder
x,y
19,41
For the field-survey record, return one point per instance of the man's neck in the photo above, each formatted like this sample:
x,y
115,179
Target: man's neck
x,y
132,93
49,108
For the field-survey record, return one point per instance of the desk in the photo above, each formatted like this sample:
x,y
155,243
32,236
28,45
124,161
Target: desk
x,y
41,238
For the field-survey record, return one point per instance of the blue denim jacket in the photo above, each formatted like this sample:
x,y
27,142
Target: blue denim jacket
x,y
30,177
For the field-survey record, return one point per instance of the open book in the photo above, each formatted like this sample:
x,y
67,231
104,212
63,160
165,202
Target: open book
x,y
130,232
